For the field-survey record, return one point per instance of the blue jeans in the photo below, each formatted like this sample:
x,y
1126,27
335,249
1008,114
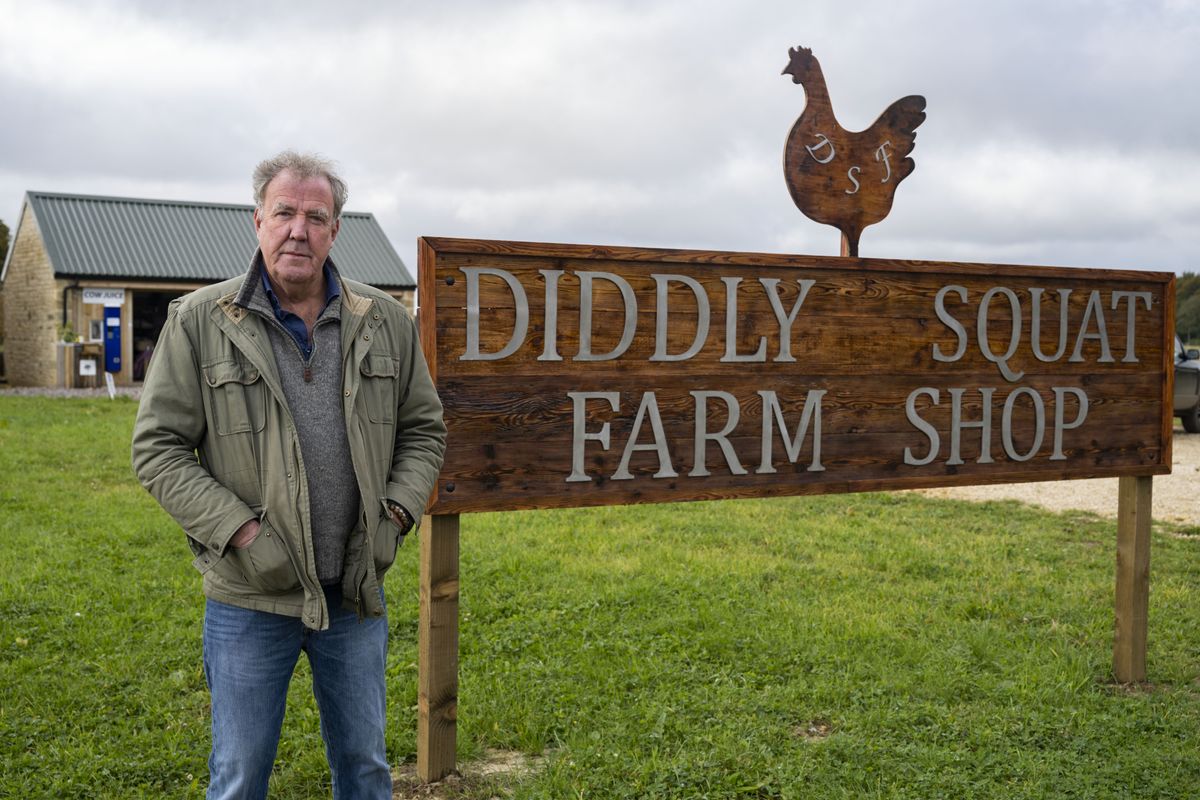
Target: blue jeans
x,y
249,657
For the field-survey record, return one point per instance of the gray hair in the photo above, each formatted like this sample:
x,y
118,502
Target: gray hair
x,y
303,165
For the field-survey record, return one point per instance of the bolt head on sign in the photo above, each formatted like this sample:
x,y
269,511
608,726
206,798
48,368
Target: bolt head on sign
x,y
844,178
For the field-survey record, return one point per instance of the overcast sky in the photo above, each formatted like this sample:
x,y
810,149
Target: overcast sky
x,y
1057,132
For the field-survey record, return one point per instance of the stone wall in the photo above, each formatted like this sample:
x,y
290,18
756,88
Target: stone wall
x,y
32,310
2,376
406,298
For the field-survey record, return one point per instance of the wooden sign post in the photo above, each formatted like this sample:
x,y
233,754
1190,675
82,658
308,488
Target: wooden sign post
x,y
579,376
437,649
1133,578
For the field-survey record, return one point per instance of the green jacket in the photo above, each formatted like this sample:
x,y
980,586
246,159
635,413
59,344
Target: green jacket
x,y
215,443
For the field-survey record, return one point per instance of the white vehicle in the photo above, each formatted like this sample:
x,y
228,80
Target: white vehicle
x,y
1187,386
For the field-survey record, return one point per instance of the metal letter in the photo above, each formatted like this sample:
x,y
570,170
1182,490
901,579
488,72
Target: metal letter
x,y
939,306
1014,338
850,174
1059,424
649,405
550,332
1094,306
910,411
1064,297
1131,314
579,435
660,324
702,436
731,353
521,305
585,316
1039,410
812,149
785,319
957,425
772,412
881,154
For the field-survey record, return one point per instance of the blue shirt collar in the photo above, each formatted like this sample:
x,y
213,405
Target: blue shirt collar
x,y
332,288
292,323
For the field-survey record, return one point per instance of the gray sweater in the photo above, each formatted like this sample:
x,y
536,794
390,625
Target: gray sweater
x,y
314,395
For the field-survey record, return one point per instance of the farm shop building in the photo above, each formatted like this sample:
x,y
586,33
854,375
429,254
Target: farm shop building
x,y
87,280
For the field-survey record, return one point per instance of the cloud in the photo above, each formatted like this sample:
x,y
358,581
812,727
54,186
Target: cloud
x,y
1058,133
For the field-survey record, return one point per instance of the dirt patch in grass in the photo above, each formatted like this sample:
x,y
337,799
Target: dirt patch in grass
x,y
485,779
1132,689
815,731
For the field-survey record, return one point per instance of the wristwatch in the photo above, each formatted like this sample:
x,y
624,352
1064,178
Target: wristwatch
x,y
400,515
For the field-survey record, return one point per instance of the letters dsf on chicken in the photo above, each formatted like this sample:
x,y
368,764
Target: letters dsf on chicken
x,y
690,330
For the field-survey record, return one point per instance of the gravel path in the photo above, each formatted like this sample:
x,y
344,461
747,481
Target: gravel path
x,y
38,391
1176,496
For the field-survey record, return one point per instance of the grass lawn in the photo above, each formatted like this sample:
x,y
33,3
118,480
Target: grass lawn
x,y
858,646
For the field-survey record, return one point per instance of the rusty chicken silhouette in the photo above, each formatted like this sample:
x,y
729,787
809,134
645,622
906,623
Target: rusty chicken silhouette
x,y
841,178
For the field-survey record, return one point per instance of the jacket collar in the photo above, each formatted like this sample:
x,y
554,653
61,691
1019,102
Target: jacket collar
x,y
254,279
251,284
355,306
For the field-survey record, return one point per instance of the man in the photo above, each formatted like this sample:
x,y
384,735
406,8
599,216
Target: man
x,y
289,425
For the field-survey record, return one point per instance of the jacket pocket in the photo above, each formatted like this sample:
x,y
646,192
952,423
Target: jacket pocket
x,y
237,393
379,380
386,543
265,562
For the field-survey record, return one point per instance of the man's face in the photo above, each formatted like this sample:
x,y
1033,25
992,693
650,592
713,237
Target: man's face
x,y
296,229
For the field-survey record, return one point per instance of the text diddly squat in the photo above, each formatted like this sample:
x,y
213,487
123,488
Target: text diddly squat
x,y
1071,341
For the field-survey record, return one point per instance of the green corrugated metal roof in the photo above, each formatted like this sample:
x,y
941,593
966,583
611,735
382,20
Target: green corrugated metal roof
x,y
125,237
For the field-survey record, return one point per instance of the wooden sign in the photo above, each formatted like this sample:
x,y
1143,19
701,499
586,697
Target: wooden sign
x,y
577,376
839,177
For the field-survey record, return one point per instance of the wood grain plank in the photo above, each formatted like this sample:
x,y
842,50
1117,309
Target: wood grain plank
x,y
1168,370
494,247
1133,579
865,336
437,654
581,498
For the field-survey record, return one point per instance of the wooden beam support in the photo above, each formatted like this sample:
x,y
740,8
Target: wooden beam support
x,y
1133,578
437,660
849,248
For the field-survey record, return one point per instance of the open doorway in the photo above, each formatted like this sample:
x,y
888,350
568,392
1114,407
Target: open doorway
x,y
149,316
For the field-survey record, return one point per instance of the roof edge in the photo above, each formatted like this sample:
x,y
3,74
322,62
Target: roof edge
x,y
12,242
41,206
31,194
76,276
